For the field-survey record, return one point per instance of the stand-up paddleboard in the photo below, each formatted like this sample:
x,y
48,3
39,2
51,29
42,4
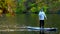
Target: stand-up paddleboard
x,y
29,28
41,29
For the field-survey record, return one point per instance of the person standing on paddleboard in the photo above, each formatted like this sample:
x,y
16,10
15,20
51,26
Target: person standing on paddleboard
x,y
42,17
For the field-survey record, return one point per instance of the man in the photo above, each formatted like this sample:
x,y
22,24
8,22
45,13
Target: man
x,y
41,18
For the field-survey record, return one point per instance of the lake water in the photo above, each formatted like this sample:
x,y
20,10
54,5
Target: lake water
x,y
30,20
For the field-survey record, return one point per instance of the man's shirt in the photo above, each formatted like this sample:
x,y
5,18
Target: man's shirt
x,y
42,15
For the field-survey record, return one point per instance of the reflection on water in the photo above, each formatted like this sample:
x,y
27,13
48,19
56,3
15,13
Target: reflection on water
x,y
29,20
24,32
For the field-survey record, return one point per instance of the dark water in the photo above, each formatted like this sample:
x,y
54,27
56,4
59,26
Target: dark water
x,y
30,20
24,32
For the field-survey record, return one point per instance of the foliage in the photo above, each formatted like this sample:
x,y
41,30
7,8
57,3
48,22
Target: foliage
x,y
31,5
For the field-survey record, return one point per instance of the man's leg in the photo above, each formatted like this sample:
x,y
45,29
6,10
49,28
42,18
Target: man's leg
x,y
42,26
42,23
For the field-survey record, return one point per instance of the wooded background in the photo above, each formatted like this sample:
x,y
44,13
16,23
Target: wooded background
x,y
32,6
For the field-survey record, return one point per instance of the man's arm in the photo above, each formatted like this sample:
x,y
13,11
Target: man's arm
x,y
45,16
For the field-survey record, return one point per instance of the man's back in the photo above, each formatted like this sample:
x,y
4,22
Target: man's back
x,y
41,15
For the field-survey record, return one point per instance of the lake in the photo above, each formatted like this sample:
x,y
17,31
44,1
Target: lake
x,y
30,20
